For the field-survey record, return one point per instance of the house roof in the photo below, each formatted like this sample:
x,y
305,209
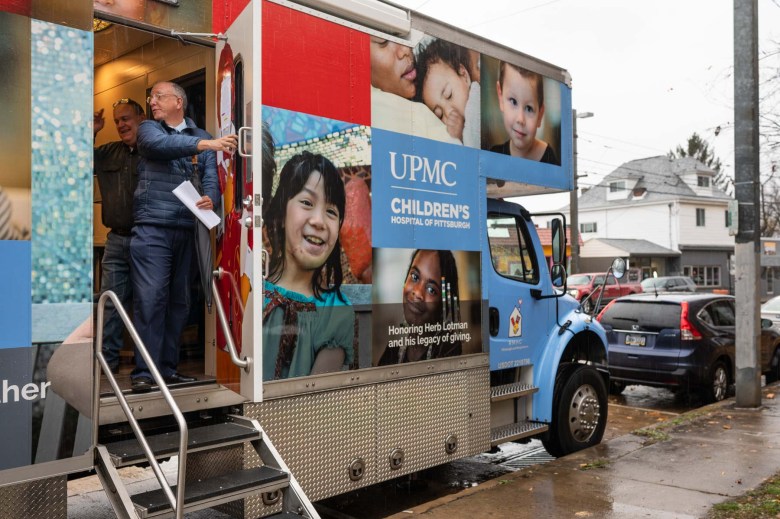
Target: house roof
x,y
660,177
545,235
610,247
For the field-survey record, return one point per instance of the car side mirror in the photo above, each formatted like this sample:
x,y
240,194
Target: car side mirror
x,y
619,268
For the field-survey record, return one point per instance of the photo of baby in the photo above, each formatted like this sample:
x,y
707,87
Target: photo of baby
x,y
521,113
448,84
431,90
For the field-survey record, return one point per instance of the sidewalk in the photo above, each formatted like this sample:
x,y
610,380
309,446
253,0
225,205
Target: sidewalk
x,y
681,468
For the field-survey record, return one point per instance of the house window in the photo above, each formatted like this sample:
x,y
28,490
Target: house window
x,y
588,227
699,217
703,181
617,186
703,275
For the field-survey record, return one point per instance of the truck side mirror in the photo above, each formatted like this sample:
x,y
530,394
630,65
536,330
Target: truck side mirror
x,y
619,268
558,275
558,242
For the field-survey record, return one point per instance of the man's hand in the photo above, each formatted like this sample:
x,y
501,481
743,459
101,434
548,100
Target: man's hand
x,y
98,122
204,202
226,144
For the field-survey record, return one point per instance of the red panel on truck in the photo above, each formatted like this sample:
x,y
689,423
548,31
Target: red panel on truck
x,y
314,66
225,12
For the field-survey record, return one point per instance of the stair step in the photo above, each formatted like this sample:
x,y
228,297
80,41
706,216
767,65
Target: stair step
x,y
214,491
514,390
129,452
515,431
283,515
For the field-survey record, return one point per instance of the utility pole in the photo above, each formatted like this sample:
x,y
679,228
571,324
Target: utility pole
x,y
747,182
574,219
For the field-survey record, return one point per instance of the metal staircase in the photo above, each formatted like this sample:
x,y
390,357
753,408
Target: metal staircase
x,y
511,408
272,478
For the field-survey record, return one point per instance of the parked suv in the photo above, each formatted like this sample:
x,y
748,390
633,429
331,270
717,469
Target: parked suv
x,y
669,284
679,341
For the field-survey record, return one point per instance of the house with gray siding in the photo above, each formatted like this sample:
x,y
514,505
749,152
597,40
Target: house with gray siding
x,y
666,216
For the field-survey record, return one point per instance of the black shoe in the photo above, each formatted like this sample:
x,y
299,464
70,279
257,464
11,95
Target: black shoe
x,y
178,378
142,385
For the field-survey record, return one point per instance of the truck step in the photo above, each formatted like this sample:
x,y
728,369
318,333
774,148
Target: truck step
x,y
515,431
513,390
129,452
284,515
212,492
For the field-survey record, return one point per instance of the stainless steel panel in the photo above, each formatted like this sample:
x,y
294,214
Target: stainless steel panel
x,y
38,499
478,391
417,416
319,435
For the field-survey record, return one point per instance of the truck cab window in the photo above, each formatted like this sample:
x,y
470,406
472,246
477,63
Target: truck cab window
x,y
510,249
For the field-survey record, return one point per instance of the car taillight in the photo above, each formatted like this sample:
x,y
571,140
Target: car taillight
x,y
688,332
601,314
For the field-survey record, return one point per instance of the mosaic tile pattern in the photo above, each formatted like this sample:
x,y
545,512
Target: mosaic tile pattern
x,y
349,143
62,80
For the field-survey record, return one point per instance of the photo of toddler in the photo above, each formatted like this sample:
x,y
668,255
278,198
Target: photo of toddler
x,y
521,101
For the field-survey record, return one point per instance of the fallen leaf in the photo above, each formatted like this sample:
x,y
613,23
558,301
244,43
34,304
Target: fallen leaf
x,y
739,482
723,473
728,416
770,395
583,514
727,426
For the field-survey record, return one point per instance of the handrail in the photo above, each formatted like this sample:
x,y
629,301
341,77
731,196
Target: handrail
x,y
246,362
177,501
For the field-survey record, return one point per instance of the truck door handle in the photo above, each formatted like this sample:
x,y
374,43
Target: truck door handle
x,y
493,321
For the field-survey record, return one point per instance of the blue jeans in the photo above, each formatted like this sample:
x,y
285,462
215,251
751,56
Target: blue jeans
x,y
161,258
115,277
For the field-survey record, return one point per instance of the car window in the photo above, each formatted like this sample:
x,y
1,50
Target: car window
x,y
649,316
610,280
579,279
598,280
773,305
720,313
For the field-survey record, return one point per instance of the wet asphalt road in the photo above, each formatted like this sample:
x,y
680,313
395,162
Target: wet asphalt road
x,y
637,407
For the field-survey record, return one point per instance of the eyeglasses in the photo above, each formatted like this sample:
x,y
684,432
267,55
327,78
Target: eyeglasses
x,y
159,96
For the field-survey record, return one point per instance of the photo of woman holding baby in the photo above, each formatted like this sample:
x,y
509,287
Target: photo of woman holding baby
x,y
393,92
307,321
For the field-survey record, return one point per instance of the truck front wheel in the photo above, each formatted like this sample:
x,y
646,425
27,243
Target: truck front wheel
x,y
579,412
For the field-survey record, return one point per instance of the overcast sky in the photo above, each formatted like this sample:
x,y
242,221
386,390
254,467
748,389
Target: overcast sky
x,y
651,72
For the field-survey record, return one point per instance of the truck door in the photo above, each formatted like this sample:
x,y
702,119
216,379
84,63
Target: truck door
x,y
238,105
517,320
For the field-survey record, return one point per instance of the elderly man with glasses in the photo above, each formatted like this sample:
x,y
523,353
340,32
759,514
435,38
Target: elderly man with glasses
x,y
115,168
173,150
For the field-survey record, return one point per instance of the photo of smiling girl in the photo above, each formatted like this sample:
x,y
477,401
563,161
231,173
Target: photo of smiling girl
x,y
430,296
307,321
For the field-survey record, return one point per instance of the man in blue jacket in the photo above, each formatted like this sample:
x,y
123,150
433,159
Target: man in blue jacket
x,y
162,244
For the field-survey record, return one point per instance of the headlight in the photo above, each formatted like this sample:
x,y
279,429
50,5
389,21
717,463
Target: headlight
x,y
574,293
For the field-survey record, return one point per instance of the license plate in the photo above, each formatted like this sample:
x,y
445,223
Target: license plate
x,y
635,340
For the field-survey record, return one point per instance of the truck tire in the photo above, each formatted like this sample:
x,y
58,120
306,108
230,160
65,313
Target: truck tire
x,y
579,411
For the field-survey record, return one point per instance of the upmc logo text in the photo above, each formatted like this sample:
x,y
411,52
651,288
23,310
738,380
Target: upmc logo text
x,y
419,169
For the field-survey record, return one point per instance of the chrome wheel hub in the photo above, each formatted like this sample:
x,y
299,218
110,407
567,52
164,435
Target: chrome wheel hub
x,y
584,413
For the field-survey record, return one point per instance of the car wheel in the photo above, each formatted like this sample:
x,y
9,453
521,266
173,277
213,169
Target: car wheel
x,y
579,411
717,386
616,388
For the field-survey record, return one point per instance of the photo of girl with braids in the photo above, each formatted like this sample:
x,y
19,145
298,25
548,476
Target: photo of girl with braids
x,y
308,324
430,297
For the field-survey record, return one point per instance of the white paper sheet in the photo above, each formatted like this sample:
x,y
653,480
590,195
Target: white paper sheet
x,y
189,196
